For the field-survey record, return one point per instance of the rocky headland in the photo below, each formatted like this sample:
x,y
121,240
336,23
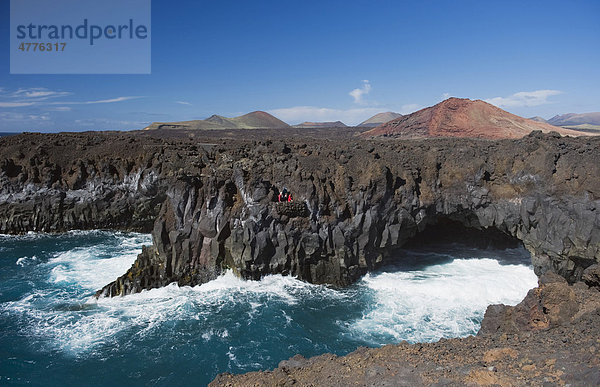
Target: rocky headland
x,y
210,202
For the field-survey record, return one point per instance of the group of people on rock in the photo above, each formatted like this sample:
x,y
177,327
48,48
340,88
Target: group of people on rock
x,y
284,196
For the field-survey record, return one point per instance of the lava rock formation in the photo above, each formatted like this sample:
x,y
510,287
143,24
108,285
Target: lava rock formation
x,y
212,205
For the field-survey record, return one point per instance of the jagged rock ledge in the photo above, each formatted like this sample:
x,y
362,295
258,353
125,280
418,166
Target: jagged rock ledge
x,y
61,182
364,199
210,203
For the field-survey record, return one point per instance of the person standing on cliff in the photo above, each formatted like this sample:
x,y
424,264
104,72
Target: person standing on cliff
x,y
283,196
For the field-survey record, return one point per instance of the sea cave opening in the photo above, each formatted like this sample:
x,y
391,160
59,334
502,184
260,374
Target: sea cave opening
x,y
447,239
440,283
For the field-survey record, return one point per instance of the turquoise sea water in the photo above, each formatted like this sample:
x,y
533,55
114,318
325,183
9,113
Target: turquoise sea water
x,y
52,331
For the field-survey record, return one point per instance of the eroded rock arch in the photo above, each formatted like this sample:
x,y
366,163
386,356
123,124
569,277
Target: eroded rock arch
x,y
359,206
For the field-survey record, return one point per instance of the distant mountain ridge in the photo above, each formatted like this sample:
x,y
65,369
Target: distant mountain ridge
x,y
458,117
379,118
253,120
334,124
454,117
538,119
573,119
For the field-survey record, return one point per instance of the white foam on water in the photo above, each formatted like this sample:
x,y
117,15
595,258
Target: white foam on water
x,y
445,300
79,266
82,267
25,261
210,297
210,333
33,235
150,309
58,313
99,322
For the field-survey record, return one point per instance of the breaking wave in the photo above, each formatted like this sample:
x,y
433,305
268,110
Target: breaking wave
x,y
228,324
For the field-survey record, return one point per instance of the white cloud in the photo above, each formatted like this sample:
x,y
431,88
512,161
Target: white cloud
x,y
358,94
15,104
298,114
410,108
38,93
39,96
112,100
19,117
524,98
108,123
27,97
183,102
445,96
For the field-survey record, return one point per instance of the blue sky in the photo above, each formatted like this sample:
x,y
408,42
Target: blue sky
x,y
326,60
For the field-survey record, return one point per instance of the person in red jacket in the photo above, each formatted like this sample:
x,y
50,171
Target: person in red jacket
x,y
284,196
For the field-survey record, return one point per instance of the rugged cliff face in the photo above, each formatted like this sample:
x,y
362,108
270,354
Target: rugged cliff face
x,y
355,200
54,183
358,201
